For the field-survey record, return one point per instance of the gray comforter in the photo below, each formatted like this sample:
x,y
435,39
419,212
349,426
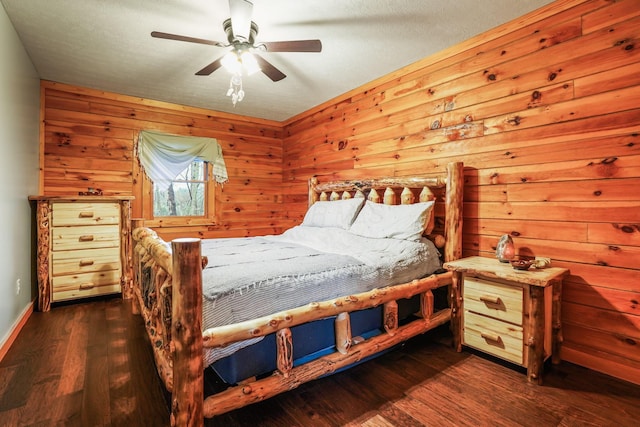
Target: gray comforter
x,y
252,277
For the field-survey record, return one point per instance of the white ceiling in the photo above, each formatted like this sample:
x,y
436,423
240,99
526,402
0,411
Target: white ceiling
x,y
106,45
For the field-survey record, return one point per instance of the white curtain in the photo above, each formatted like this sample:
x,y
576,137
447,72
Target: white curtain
x,y
164,156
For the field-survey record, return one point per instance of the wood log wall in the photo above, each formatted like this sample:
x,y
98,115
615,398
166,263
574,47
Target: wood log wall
x,y
88,142
545,113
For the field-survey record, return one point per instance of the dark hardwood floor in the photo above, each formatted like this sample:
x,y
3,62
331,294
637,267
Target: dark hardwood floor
x,y
90,364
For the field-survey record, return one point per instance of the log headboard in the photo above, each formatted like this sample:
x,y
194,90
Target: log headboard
x,y
445,228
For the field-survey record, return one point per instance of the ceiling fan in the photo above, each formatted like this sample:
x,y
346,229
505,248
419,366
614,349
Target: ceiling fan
x,y
241,34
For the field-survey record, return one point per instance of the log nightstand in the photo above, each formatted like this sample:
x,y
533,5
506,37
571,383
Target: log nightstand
x,y
511,314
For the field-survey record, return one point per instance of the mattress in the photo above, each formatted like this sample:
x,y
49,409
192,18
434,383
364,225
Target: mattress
x,y
257,276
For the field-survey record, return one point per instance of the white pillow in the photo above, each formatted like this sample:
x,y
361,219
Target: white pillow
x,y
406,222
337,213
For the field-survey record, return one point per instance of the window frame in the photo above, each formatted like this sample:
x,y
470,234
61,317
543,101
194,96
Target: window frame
x,y
210,217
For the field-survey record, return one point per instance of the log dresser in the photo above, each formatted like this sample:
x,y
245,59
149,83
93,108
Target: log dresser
x,y
508,313
84,247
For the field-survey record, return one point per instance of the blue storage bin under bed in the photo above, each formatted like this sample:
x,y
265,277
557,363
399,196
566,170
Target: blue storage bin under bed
x,y
310,341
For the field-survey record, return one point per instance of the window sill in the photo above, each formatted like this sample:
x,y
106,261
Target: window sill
x,y
180,222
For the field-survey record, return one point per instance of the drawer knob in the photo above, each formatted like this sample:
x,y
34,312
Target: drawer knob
x,y
489,336
88,285
86,214
491,299
86,238
86,262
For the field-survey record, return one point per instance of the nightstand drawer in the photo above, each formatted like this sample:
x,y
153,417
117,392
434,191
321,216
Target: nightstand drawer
x,y
85,237
84,213
493,299
493,336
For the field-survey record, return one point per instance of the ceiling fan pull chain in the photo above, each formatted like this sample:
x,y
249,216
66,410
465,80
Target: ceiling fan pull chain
x,y
235,90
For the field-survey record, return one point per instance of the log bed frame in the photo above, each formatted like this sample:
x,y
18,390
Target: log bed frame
x,y
174,321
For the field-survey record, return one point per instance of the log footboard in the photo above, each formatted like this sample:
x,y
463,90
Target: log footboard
x,y
153,297
286,377
187,286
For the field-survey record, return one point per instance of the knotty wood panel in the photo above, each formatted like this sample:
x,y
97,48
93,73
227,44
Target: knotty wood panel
x,y
545,113
89,142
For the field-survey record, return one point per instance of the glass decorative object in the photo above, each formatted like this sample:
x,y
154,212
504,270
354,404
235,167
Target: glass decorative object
x,y
505,250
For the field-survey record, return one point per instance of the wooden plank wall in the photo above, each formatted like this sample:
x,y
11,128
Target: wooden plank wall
x,y
545,113
88,141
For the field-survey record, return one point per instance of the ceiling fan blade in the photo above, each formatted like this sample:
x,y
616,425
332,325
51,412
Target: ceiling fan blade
x,y
241,11
161,35
269,70
210,68
294,46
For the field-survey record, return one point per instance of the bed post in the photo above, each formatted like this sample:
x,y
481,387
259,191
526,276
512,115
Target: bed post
x,y
135,263
453,222
126,261
186,328
313,195
453,245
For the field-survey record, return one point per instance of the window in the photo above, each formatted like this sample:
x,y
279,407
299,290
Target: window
x,y
186,195
182,173
190,199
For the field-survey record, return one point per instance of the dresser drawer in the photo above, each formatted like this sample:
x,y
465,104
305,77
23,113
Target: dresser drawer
x,y
493,336
86,261
84,213
493,299
85,237
73,293
86,284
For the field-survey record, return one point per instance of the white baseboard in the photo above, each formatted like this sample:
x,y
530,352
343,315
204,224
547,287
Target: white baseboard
x,y
15,329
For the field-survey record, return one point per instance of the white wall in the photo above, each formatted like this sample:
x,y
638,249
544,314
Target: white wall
x,y
19,149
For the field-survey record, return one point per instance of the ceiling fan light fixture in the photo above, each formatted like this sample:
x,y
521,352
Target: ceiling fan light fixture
x,y
236,61
249,62
231,62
